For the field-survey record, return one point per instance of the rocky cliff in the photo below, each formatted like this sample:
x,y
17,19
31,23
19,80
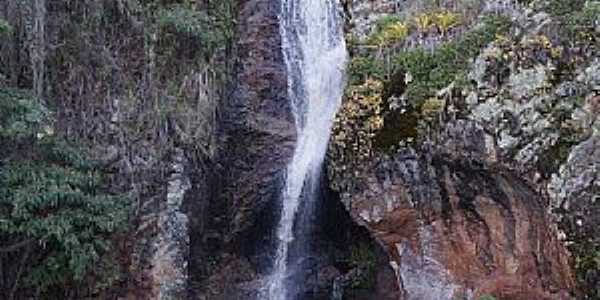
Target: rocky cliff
x,y
463,165
457,154
135,86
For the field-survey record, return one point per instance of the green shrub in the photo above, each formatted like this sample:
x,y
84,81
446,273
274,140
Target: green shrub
x,y
183,20
424,22
363,257
580,24
212,28
385,21
430,70
4,27
20,115
559,8
587,261
389,30
56,217
446,20
363,67
434,70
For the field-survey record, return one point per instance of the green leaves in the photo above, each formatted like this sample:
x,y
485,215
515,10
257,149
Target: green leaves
x,y
183,19
389,30
63,208
212,32
5,28
361,68
52,198
363,257
20,114
434,70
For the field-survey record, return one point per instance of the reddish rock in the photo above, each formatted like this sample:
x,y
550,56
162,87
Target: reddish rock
x,y
456,224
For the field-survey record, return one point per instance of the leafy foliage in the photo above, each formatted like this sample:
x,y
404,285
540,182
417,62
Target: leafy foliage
x,y
558,8
581,23
4,27
189,22
424,22
389,30
446,20
587,261
20,115
363,258
428,72
210,29
54,212
363,67
435,70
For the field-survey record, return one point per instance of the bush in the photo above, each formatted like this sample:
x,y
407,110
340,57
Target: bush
x,y
434,70
389,30
4,27
431,70
424,22
446,20
56,218
363,67
587,267
363,258
211,30
20,115
559,8
581,25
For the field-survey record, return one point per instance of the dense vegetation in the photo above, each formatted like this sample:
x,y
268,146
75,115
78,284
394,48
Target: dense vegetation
x,y
93,104
418,74
56,215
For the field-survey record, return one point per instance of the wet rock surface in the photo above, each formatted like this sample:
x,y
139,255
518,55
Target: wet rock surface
x,y
257,136
258,126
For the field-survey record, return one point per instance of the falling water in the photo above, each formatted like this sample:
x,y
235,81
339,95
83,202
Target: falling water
x,y
315,55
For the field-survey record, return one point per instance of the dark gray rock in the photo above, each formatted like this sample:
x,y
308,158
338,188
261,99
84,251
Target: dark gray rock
x,y
257,125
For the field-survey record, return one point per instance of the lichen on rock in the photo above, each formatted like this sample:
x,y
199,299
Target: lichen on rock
x,y
517,120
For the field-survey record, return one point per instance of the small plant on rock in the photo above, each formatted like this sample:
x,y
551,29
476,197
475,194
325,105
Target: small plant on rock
x,y
4,27
424,22
446,20
389,31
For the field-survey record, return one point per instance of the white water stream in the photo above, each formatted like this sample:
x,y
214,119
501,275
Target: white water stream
x,y
315,55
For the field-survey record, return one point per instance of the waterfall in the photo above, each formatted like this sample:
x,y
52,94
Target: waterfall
x,y
315,55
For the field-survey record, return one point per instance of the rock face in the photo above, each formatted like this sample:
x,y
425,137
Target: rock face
x,y
363,14
257,125
113,85
257,136
455,223
170,260
488,182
